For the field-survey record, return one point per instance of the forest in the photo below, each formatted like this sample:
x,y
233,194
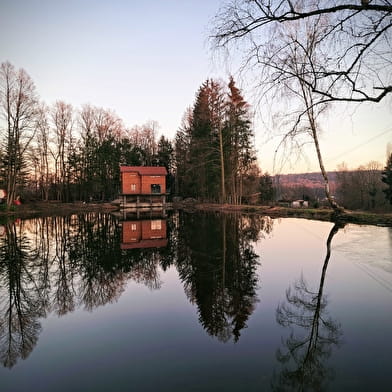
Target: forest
x,y
62,153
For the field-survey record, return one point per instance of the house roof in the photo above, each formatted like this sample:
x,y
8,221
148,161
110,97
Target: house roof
x,y
145,170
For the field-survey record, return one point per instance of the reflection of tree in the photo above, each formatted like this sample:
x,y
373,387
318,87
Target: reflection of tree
x,y
59,263
304,355
217,264
94,255
62,271
20,305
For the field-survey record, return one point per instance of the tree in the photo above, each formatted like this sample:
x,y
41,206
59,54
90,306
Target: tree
x,y
387,179
372,183
304,353
360,188
214,146
239,141
164,156
18,108
266,188
144,137
217,264
292,70
290,45
204,143
62,118
103,147
181,154
355,37
20,297
42,152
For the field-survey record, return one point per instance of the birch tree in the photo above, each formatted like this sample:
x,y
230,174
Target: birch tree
x,y
312,52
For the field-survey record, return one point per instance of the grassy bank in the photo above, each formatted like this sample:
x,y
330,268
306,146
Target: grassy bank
x,y
35,209
50,208
359,217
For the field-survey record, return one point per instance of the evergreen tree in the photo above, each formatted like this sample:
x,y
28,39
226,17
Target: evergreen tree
x,y
266,188
387,179
164,156
204,144
239,141
214,151
181,155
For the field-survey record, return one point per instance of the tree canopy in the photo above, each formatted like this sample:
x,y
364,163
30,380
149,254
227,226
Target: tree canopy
x,y
353,60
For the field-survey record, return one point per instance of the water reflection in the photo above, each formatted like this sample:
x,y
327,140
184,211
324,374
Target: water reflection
x,y
313,334
217,264
21,302
146,233
54,265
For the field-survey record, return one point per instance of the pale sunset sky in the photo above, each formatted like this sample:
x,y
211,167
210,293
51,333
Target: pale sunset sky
x,y
146,59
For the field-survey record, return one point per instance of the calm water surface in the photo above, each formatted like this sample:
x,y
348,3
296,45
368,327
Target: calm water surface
x,y
194,302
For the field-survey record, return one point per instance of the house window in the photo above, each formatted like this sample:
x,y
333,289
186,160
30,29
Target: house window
x,y
156,225
155,188
133,226
133,187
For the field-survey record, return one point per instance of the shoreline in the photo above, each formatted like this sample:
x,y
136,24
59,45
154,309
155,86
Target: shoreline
x,y
50,208
324,214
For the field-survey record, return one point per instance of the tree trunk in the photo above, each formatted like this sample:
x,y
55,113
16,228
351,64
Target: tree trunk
x,y
222,162
331,201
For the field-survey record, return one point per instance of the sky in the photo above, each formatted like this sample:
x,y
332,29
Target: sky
x,y
146,59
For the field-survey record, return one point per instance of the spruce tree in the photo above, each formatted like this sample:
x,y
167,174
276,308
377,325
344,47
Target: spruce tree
x,y
239,141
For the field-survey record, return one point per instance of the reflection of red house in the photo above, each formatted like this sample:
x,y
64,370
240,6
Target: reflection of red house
x,y
143,234
143,185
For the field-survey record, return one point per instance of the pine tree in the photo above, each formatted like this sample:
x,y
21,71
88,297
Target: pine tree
x,y
204,143
387,179
181,155
239,141
214,150
266,188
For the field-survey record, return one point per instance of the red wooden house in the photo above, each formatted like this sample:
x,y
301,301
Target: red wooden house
x,y
143,186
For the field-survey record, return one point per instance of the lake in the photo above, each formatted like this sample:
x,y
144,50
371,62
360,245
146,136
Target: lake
x,y
194,302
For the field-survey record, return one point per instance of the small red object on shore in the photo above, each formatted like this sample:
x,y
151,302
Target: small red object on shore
x,y
17,201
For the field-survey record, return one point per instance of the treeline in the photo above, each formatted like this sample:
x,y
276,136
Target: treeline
x,y
62,153
368,187
364,188
214,149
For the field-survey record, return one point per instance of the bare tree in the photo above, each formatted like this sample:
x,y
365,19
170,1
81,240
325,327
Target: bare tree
x,y
310,55
43,157
355,42
18,108
62,118
145,138
303,354
106,124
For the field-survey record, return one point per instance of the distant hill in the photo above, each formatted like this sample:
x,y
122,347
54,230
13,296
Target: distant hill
x,y
309,180
303,185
